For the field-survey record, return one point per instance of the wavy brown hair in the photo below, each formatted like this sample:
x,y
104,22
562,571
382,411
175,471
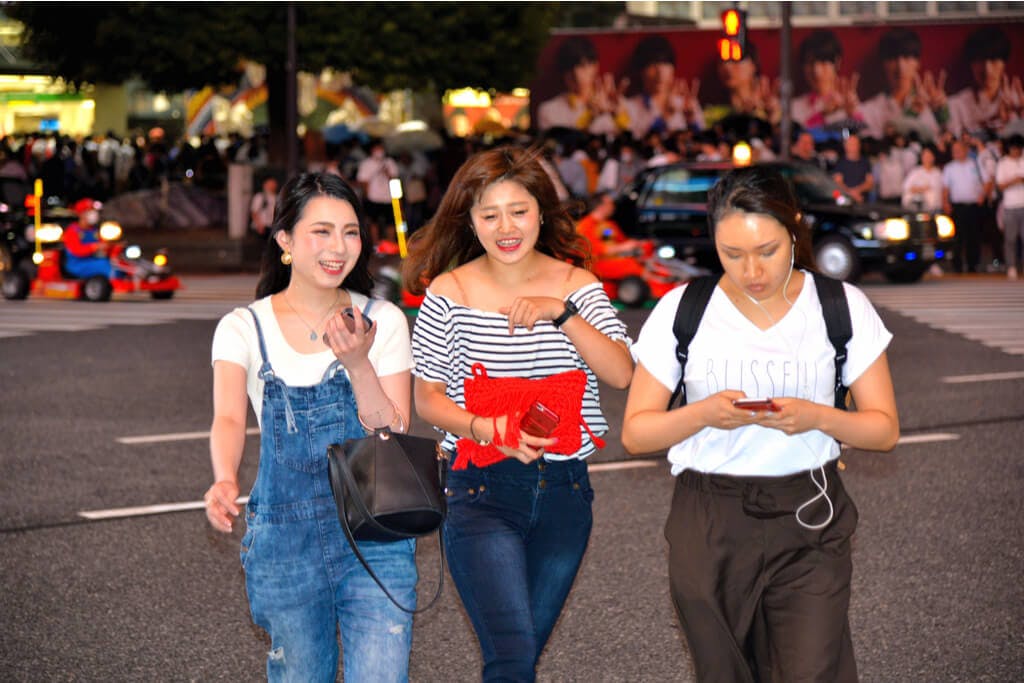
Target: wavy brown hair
x,y
447,241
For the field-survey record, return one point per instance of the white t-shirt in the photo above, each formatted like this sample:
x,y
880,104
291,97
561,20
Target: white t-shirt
x,y
930,198
377,174
1008,169
792,359
235,341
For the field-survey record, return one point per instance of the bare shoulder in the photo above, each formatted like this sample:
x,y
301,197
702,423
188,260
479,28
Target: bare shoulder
x,y
444,285
579,277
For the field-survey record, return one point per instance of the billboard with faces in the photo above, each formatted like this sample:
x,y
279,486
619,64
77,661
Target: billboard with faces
x,y
914,79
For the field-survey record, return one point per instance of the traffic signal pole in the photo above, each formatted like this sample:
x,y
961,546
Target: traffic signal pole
x,y
786,81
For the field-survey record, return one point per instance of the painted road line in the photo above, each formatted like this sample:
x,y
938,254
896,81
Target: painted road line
x,y
622,465
180,436
143,510
985,377
928,438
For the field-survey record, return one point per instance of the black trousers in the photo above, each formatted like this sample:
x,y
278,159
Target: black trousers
x,y
970,226
760,597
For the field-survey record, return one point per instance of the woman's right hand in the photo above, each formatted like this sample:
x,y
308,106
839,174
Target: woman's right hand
x,y
220,504
530,447
719,411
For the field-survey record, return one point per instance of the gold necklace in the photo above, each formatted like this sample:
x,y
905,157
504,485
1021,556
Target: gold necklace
x,y
312,330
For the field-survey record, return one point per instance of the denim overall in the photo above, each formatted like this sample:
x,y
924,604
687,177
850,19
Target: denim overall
x,y
301,577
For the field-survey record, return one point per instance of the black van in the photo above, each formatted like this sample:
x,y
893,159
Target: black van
x,y
669,205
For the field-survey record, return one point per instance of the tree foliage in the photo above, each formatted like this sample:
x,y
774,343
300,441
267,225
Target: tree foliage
x,y
174,46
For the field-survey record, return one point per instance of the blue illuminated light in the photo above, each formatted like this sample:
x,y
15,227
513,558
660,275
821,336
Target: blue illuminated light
x,y
939,253
910,256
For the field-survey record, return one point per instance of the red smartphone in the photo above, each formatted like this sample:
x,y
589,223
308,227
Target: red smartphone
x,y
755,404
539,420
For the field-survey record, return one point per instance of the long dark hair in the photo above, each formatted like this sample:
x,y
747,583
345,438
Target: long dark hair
x,y
291,202
763,190
447,241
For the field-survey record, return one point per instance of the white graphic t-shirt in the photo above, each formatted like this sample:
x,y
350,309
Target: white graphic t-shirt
x,y
793,358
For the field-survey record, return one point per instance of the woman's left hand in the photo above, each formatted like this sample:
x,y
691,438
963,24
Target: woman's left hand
x,y
794,416
349,347
527,310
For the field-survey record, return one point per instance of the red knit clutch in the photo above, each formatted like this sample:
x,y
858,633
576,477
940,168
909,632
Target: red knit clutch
x,y
492,397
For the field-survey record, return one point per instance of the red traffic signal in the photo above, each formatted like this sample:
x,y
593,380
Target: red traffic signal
x,y
733,47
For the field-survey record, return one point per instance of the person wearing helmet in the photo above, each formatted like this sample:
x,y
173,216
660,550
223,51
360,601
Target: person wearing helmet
x,y
86,252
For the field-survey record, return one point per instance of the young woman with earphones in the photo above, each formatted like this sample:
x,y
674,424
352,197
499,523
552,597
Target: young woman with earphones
x,y
760,524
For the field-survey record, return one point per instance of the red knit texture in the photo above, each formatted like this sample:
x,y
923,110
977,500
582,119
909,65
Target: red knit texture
x,y
492,397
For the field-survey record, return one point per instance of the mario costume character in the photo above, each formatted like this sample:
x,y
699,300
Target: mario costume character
x,y
614,254
86,252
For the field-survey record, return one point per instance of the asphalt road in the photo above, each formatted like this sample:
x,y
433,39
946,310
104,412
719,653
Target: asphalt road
x,y
937,560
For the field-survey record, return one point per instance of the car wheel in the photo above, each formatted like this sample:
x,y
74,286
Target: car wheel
x,y
168,294
6,260
837,258
97,288
633,291
16,285
906,275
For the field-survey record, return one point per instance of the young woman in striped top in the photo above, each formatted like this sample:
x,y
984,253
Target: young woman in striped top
x,y
503,263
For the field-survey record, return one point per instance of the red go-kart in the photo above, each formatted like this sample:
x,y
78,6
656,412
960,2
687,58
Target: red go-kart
x,y
130,272
641,274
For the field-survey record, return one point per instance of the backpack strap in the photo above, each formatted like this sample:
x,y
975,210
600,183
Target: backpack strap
x,y
688,316
837,321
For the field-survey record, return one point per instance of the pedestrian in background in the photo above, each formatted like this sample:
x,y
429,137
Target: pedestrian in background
x,y
502,262
313,381
760,524
965,188
853,172
261,208
1010,180
374,175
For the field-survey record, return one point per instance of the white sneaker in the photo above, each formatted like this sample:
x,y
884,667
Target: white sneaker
x,y
1011,273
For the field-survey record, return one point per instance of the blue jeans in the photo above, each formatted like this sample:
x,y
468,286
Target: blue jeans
x,y
515,536
300,598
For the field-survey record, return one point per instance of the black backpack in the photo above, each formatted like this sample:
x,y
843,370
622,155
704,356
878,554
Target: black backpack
x,y
834,309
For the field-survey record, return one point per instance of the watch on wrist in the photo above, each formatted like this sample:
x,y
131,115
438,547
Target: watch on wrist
x,y
570,311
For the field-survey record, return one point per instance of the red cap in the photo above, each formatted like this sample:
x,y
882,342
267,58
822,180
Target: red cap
x,y
83,205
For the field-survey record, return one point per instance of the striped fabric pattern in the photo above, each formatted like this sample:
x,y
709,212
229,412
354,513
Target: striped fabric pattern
x,y
449,337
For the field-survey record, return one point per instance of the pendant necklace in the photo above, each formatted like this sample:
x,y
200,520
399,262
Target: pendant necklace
x,y
312,330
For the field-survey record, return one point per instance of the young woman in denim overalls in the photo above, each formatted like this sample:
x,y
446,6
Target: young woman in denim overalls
x,y
313,380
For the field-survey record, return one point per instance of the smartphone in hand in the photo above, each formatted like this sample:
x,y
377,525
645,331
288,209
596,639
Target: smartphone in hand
x,y
348,314
755,404
539,420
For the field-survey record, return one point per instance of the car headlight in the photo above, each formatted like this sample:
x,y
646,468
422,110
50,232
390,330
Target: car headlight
x,y
110,231
892,229
160,260
48,232
666,251
945,226
134,251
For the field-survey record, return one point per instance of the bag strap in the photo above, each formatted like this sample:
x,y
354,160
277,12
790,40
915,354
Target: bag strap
x,y
688,316
836,311
349,485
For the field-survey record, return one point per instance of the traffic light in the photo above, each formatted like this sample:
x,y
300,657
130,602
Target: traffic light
x,y
733,46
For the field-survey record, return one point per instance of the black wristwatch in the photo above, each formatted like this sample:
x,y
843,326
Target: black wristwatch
x,y
570,311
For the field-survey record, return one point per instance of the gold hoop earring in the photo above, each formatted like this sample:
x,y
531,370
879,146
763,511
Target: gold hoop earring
x,y
286,258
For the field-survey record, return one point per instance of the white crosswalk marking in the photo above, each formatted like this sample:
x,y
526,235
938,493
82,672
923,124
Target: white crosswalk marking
x,y
988,311
200,298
